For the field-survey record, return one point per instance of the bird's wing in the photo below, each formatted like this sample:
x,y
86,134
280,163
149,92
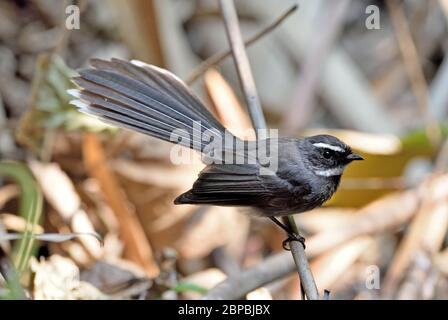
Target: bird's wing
x,y
232,178
237,185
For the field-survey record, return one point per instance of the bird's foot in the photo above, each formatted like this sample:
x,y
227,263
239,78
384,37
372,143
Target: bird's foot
x,y
293,237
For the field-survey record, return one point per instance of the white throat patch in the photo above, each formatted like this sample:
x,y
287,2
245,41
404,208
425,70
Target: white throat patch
x,y
330,172
328,146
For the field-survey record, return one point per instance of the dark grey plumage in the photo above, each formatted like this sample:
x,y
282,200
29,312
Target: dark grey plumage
x,y
153,101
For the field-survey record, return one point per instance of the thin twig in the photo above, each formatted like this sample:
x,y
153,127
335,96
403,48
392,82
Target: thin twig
x,y
248,86
220,56
242,64
237,286
303,268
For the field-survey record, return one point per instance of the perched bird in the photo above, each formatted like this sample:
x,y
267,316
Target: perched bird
x,y
155,102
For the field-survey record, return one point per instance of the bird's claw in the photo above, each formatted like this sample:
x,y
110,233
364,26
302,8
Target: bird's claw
x,y
293,237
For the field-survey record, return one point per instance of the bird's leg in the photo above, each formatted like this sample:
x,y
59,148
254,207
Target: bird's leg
x,y
292,236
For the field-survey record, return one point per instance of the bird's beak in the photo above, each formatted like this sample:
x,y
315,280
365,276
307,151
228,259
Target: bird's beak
x,y
354,156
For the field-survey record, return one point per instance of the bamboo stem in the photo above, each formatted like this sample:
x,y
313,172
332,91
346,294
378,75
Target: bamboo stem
x,y
248,86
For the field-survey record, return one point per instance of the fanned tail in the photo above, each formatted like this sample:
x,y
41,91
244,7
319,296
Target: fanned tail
x,y
143,98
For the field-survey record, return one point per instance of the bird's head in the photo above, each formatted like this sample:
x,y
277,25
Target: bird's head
x,y
328,156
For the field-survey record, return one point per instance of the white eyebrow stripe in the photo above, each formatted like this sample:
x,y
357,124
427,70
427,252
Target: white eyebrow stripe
x,y
328,146
330,172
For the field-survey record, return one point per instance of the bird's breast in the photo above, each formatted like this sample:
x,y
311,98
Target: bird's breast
x,y
324,189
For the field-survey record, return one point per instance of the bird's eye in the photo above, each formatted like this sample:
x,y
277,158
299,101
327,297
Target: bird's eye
x,y
327,154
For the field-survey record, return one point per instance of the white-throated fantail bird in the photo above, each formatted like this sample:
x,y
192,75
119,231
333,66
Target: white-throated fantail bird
x,y
153,101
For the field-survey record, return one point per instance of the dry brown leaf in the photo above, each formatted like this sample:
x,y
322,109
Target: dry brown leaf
x,y
143,34
227,106
57,188
378,216
162,176
259,294
437,224
61,194
426,231
137,245
77,253
329,267
81,223
17,223
324,219
417,282
7,193
216,227
441,261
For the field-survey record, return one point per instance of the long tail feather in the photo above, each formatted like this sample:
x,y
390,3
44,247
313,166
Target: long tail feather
x,y
144,98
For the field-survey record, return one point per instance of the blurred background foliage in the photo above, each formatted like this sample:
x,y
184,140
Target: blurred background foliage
x,y
383,91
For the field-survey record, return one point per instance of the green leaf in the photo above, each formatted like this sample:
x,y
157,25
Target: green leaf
x,y
31,202
185,286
